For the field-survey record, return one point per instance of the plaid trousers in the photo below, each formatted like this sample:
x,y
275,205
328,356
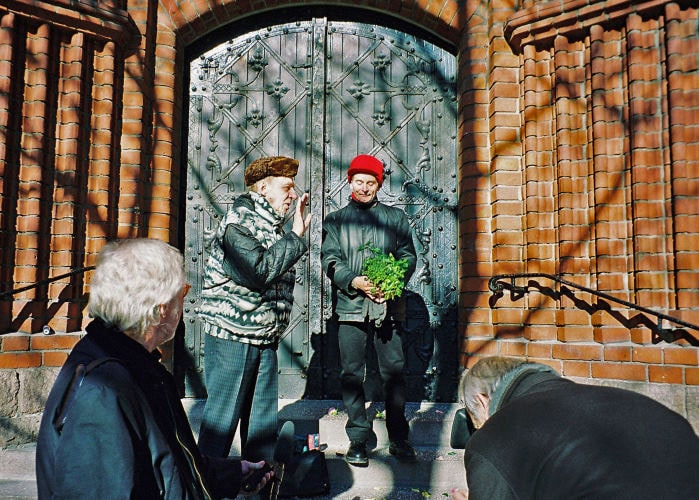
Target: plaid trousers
x,y
242,386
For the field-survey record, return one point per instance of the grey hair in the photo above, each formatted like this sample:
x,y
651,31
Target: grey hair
x,y
483,378
132,278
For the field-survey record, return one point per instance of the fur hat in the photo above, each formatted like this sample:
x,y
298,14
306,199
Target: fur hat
x,y
275,166
366,164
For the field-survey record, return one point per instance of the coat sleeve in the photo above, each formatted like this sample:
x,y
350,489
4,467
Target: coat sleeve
x,y
254,266
224,475
484,479
95,456
334,265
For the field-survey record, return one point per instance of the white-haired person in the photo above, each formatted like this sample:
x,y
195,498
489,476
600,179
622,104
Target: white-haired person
x,y
539,435
113,425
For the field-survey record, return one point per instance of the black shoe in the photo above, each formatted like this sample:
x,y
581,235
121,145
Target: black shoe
x,y
356,454
402,450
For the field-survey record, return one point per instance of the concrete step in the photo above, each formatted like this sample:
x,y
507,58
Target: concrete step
x,y
430,423
437,470
17,477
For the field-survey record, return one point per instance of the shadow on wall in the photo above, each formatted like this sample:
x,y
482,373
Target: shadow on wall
x,y
497,286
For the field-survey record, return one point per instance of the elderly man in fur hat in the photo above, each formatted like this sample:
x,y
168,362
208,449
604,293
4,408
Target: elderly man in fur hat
x,y
363,311
246,304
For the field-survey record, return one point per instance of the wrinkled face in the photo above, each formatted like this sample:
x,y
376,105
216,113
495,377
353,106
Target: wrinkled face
x,y
279,192
173,314
364,187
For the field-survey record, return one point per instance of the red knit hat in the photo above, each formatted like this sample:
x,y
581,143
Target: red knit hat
x,y
366,164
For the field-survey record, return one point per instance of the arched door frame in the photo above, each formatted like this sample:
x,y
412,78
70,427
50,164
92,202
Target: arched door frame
x,y
213,40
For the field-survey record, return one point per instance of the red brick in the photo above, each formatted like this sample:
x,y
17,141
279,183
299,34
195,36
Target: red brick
x,y
576,369
575,334
611,334
681,356
20,360
641,336
513,348
14,342
647,354
665,374
619,371
57,341
541,332
540,350
54,358
577,351
617,353
481,347
572,317
506,316
691,376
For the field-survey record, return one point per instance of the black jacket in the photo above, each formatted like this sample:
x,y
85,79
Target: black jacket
x,y
121,431
550,438
347,229
249,276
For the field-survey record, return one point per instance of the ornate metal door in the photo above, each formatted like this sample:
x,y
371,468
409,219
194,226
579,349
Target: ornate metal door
x,y
323,92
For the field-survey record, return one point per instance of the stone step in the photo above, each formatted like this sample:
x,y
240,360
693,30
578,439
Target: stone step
x,y
17,477
430,423
437,470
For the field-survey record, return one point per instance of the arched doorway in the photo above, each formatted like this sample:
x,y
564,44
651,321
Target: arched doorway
x,y
322,92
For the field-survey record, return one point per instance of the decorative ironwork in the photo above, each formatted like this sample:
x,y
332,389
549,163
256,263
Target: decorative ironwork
x,y
497,286
322,92
257,61
359,90
277,89
79,270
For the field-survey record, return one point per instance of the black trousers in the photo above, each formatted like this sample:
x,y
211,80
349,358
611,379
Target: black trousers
x,y
352,338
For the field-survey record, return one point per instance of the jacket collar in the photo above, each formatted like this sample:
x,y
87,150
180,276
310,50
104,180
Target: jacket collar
x,y
119,345
518,381
361,205
265,210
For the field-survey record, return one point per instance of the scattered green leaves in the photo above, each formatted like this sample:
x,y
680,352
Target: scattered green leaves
x,y
423,493
385,271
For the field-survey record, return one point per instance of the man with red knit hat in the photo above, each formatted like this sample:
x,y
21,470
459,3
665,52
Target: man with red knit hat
x,y
361,310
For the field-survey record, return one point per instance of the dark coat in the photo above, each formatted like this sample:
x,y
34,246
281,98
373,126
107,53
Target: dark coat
x,y
122,432
347,229
551,438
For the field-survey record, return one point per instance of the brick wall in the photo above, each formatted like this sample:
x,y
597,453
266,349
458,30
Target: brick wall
x,y
578,144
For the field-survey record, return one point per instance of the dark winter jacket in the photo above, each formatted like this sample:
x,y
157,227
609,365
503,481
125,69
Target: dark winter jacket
x,y
249,277
550,438
121,431
347,229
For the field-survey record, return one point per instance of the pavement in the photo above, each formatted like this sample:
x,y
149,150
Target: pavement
x,y
436,471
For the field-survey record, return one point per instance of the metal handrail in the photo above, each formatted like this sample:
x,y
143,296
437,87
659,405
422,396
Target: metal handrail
x,y
10,293
496,285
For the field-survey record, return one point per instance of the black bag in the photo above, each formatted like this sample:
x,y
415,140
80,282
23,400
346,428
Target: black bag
x,y
305,475
461,429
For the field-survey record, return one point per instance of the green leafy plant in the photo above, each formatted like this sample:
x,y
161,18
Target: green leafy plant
x,y
385,271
